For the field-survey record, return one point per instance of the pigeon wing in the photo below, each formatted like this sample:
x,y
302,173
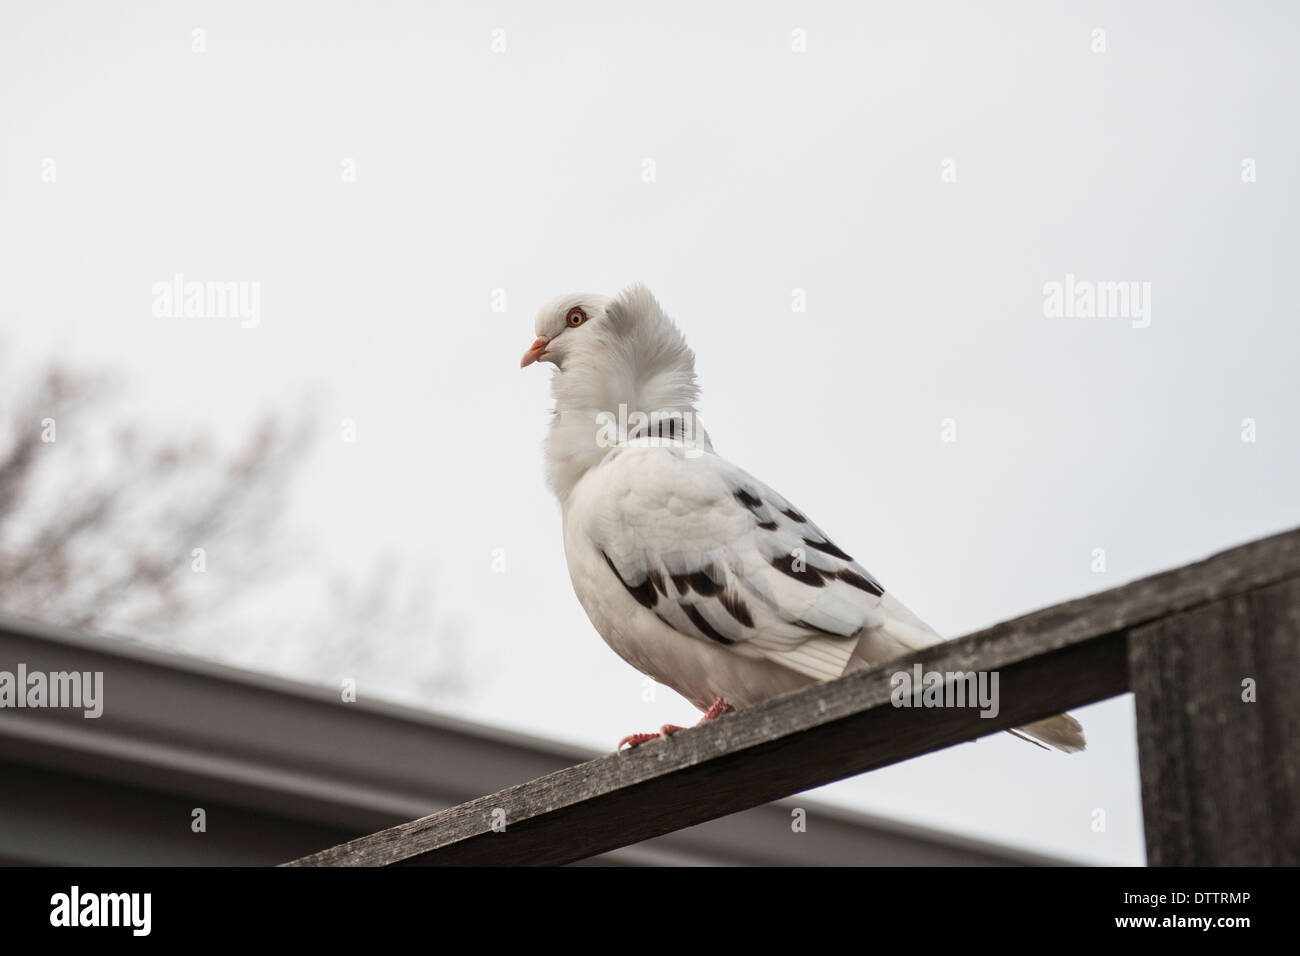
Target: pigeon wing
x,y
719,556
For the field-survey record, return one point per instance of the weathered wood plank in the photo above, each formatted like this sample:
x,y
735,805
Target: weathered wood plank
x,y
1221,774
1061,657
767,752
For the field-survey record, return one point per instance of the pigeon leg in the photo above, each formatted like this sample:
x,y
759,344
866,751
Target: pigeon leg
x,y
636,740
719,708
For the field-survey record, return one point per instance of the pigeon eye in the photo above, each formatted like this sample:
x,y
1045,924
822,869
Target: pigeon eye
x,y
576,317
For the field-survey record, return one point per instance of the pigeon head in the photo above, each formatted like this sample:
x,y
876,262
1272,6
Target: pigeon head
x,y
565,325
612,352
613,358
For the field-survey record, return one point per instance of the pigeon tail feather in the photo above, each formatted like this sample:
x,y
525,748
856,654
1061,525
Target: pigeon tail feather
x,y
1062,732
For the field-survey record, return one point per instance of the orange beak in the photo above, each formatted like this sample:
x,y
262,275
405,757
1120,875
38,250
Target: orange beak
x,y
535,351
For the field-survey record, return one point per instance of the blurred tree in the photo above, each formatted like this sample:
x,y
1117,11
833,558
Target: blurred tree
x,y
104,530
100,536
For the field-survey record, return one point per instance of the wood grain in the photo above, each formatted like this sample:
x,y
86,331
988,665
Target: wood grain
x,y
1221,774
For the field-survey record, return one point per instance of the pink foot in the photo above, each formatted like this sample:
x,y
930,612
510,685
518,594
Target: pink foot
x,y
719,708
636,740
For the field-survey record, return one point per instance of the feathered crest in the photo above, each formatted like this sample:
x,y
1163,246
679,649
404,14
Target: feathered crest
x,y
636,357
637,360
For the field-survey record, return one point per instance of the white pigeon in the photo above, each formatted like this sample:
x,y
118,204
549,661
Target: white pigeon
x,y
695,572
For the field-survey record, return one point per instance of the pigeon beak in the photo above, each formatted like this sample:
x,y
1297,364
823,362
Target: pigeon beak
x,y
535,351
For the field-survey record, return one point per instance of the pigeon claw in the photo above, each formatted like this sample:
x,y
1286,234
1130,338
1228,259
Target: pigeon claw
x,y
636,740
719,708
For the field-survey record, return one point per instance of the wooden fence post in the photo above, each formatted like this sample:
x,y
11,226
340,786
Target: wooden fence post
x,y
1218,723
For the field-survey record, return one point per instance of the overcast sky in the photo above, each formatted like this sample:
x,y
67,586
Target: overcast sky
x,y
915,177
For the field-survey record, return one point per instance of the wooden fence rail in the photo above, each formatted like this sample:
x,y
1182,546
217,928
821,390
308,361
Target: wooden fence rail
x,y
1211,652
